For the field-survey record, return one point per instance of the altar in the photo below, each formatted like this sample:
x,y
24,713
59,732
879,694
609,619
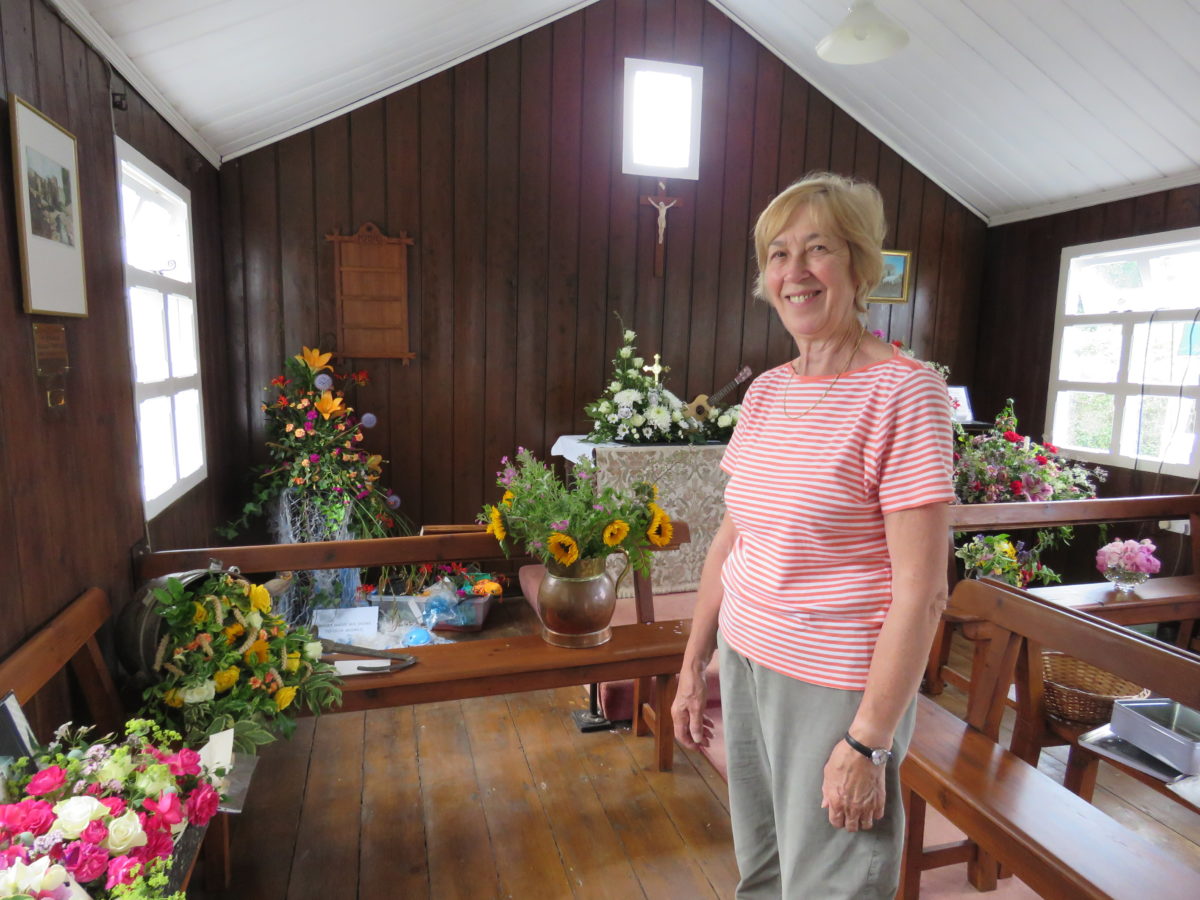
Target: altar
x,y
691,488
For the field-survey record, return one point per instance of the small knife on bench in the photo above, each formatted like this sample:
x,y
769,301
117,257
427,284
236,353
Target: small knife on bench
x,y
401,660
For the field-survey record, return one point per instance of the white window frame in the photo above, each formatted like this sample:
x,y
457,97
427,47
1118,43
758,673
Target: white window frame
x,y
172,386
1122,388
695,74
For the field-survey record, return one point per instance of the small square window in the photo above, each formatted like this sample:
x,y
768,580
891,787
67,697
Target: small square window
x,y
662,119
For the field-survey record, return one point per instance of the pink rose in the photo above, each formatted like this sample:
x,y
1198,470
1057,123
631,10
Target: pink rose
x,y
116,806
12,817
49,779
120,871
165,811
202,804
12,854
39,816
95,832
85,860
159,845
185,762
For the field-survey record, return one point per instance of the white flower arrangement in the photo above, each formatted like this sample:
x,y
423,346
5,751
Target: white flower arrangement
x,y
637,409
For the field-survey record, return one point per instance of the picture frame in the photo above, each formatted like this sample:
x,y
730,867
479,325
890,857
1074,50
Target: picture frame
x,y
962,404
16,737
897,278
46,177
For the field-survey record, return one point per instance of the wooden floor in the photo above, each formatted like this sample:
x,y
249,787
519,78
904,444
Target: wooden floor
x,y
504,797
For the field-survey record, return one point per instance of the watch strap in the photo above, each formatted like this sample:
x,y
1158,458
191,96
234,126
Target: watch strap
x,y
868,752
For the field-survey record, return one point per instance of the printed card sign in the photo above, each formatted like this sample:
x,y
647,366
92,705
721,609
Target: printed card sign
x,y
344,625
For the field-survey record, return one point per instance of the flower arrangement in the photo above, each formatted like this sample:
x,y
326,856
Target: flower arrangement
x,y
636,409
1004,466
560,522
99,815
938,367
225,661
1128,558
996,556
466,580
315,444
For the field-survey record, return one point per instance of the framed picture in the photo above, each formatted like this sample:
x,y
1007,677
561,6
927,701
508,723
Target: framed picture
x,y
897,276
962,404
46,174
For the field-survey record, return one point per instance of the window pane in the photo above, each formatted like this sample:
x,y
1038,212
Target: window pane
x,y
1162,429
149,335
1090,353
662,107
1165,353
189,436
1083,420
158,454
1174,278
156,226
181,319
1103,286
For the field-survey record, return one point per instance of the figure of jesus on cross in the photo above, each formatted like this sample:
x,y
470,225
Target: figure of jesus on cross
x,y
662,203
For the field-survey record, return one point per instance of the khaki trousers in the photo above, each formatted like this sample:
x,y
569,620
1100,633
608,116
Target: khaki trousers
x,y
779,733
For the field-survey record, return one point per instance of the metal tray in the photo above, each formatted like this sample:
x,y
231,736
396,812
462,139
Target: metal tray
x,y
1164,728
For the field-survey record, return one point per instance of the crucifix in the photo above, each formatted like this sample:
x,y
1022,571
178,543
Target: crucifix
x,y
656,369
662,203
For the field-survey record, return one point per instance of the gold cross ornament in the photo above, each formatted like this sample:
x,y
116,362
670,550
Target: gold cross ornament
x,y
657,369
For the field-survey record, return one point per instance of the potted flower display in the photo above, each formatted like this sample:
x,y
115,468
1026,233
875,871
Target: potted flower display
x,y
573,526
95,817
1002,465
321,483
224,660
1127,563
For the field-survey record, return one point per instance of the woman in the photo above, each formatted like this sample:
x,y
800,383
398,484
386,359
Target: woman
x,y
827,576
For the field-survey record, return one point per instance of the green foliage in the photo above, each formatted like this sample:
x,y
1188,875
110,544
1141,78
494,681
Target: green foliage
x,y
996,556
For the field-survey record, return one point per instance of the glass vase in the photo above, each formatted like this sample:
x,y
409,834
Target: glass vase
x,y
1124,580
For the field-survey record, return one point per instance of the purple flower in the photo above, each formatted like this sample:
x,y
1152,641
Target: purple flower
x,y
363,494
312,414
314,457
369,420
322,382
561,525
393,501
337,490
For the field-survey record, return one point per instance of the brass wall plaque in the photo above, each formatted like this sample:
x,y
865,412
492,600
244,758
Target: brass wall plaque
x,y
51,362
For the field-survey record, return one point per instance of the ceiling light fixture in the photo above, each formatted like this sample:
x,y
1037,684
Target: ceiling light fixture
x,y
866,35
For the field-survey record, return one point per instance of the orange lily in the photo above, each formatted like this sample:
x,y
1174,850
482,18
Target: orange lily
x,y
315,360
330,405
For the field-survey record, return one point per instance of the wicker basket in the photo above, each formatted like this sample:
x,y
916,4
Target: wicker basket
x,y
1078,692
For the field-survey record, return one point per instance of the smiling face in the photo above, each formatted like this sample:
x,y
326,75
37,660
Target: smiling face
x,y
808,279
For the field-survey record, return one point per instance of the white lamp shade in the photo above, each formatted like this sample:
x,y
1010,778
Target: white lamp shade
x,y
866,35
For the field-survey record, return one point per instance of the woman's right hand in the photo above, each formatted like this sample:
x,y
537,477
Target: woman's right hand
x,y
693,728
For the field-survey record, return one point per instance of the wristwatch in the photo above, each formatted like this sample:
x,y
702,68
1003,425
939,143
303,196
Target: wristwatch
x,y
877,756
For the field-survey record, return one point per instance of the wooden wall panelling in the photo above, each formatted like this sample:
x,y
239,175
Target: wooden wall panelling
x,y
298,234
532,277
503,235
629,39
1182,208
332,209
562,246
438,319
243,409
733,295
599,110
780,346
260,199
401,443
470,287
764,185
709,210
924,300
817,133
909,204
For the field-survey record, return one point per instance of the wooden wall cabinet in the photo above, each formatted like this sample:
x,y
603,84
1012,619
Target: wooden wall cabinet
x,y
371,285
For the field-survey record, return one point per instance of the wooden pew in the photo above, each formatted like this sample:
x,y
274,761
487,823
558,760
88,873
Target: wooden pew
x,y
981,517
1056,842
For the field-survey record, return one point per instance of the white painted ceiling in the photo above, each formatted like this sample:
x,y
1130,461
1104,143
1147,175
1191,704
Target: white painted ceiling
x,y
1018,108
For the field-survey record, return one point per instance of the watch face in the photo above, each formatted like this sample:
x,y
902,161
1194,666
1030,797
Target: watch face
x,y
879,757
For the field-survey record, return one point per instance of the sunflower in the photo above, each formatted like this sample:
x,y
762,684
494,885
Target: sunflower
x,y
564,548
661,530
496,525
615,532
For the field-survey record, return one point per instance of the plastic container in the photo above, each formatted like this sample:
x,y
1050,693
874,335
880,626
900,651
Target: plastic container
x,y
1166,729
468,614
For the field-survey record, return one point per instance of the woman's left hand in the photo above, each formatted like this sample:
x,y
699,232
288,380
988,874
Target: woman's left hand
x,y
854,790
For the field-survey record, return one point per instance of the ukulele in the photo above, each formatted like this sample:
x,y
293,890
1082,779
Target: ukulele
x,y
699,408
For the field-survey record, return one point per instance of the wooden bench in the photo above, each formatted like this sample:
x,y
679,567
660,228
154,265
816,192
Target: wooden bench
x,y
1056,842
69,639
651,653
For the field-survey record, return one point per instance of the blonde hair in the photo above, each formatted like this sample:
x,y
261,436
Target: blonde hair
x,y
844,208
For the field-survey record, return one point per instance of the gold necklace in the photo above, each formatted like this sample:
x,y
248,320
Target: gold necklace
x,y
825,393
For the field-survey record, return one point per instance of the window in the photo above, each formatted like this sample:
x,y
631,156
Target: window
x,y
662,119
161,304
1125,380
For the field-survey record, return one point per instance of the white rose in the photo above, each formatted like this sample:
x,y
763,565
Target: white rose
x,y
723,421
615,386
254,620
630,335
637,420
75,813
637,362
625,353
116,768
676,416
313,649
124,834
154,779
605,406
200,692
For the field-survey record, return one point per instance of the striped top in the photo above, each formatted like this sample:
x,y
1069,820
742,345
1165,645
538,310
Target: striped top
x,y
808,580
